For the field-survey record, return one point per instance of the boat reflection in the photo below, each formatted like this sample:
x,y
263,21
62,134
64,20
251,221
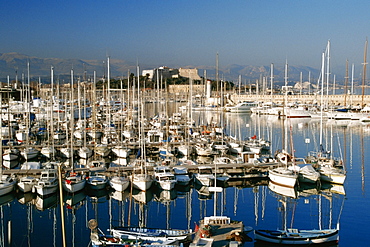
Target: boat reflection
x,y
165,195
203,193
7,198
142,196
120,195
44,203
283,190
74,200
25,198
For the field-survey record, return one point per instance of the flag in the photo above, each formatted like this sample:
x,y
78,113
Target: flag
x,y
196,228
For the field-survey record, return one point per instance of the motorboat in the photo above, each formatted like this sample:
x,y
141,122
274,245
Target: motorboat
x,y
27,183
7,184
48,182
204,176
73,182
244,106
181,175
164,178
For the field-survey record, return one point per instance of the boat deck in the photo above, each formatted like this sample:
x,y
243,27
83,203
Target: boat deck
x,y
220,233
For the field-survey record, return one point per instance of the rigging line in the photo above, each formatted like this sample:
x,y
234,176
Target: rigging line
x,y
293,213
263,201
340,150
340,212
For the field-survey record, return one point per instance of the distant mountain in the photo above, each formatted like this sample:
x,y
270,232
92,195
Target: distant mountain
x,y
15,63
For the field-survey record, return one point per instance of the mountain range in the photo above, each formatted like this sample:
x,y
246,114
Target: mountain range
x,y
12,64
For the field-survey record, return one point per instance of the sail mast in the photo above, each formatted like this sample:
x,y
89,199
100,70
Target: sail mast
x,y
345,84
364,74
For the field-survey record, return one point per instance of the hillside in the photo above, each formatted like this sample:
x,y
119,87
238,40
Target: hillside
x,y
15,63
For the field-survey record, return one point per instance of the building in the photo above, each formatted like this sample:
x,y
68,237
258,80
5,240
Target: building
x,y
189,73
148,72
165,73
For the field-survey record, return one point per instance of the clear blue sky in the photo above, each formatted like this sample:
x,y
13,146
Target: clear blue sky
x,y
180,33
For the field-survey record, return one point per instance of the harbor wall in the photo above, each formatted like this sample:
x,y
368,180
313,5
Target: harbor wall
x,y
339,99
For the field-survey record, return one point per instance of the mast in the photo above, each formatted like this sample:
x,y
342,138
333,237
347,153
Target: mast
x,y
217,71
322,98
51,132
353,71
285,105
108,91
345,84
364,74
71,128
327,68
272,80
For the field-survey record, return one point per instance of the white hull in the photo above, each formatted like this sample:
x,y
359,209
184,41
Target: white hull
x,y
332,175
48,183
43,190
48,152
119,183
298,237
26,184
204,181
73,184
283,177
6,186
30,153
85,152
166,185
10,157
97,182
65,152
142,181
121,152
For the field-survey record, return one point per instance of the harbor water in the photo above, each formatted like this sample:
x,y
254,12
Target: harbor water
x,y
29,220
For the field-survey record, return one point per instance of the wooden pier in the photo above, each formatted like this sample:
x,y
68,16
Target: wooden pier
x,y
235,170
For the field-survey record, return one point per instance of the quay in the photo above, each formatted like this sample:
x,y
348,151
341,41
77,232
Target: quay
x,y
336,99
234,170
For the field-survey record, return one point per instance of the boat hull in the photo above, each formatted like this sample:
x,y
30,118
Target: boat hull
x,y
119,183
73,186
302,237
279,177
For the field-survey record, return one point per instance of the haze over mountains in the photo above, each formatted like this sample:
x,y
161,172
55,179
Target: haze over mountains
x,y
15,63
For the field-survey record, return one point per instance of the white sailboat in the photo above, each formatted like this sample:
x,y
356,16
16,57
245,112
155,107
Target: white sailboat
x,y
119,182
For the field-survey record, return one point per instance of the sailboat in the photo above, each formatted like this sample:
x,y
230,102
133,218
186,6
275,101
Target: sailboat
x,y
140,178
331,170
7,183
119,182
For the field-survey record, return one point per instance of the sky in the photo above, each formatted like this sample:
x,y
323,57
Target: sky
x,y
188,33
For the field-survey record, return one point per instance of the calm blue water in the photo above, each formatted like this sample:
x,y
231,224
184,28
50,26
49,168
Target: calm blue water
x,y
35,221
